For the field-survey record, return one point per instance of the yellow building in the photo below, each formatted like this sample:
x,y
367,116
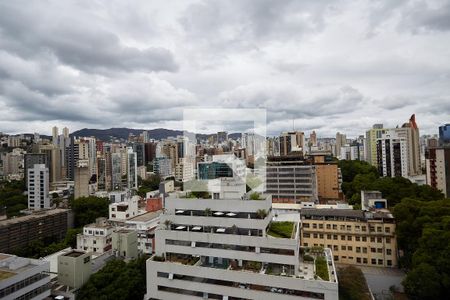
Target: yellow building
x,y
371,143
355,237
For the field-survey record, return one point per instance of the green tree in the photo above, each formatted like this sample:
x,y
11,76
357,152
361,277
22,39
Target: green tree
x,y
87,209
117,280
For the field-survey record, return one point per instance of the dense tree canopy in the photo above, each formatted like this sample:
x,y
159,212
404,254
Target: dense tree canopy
x,y
423,233
87,209
117,280
393,189
12,198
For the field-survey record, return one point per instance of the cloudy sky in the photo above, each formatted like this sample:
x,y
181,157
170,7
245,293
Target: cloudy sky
x,y
329,65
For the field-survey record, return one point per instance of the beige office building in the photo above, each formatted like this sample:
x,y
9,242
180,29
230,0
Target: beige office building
x,y
356,237
74,268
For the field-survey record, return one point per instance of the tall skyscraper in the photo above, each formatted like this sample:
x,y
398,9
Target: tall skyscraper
x,y
82,177
370,146
38,187
55,135
132,169
116,173
438,169
341,141
31,159
398,151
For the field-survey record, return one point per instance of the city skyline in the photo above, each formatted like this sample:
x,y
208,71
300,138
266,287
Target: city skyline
x,y
331,67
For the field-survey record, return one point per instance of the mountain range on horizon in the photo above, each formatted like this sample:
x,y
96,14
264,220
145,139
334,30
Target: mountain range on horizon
x,y
123,133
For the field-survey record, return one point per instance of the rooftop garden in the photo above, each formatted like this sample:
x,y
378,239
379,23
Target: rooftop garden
x,y
322,268
281,229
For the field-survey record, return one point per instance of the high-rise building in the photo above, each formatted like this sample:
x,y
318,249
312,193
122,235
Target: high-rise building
x,y
132,180
150,152
341,141
327,174
370,146
438,169
139,148
116,174
31,159
53,154
224,248
38,187
398,151
313,139
81,187
55,135
292,141
444,135
290,179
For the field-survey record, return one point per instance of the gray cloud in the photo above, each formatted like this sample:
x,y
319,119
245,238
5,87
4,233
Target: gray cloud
x,y
329,66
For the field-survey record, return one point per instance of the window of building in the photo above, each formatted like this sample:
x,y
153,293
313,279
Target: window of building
x,y
372,239
335,247
306,225
349,227
328,226
357,228
363,228
380,261
336,258
320,226
388,240
321,236
334,226
364,239
364,249
388,252
389,262
380,250
358,260
379,240
373,250
358,249
314,225
379,229
364,260
306,235
335,237
342,227
350,248
329,236
305,244
357,238
374,261
343,247
349,238
342,237
315,235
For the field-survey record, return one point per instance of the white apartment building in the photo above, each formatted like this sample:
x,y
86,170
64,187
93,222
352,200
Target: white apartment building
x,y
23,278
226,249
38,187
145,226
96,237
392,153
122,211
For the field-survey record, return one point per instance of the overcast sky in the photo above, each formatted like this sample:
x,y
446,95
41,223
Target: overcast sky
x,y
330,65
